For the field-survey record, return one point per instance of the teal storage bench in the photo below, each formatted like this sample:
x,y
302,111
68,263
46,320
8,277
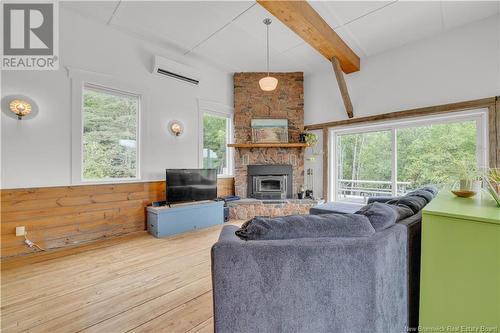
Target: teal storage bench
x,y
166,221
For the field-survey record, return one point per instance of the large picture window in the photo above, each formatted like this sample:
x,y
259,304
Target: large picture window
x,y
110,134
397,157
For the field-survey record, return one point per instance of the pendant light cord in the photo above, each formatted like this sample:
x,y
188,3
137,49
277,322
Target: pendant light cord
x,y
267,26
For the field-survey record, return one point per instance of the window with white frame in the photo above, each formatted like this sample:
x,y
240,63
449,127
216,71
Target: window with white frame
x,y
393,158
216,134
110,134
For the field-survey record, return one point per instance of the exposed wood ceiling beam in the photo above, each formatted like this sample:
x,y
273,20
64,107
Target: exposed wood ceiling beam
x,y
343,87
302,19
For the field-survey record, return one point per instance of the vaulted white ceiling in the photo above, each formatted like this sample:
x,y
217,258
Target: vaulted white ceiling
x,y
231,35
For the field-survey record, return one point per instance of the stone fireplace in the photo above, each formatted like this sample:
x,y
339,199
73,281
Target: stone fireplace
x,y
250,102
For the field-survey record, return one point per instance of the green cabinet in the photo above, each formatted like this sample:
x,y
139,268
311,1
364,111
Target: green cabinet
x,y
460,267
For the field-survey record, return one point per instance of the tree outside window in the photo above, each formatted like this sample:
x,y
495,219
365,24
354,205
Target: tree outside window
x,y
110,122
215,140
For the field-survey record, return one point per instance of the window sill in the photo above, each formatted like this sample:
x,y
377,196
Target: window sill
x,y
111,181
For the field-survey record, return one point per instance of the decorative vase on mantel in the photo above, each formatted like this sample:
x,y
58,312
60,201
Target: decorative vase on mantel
x,y
302,137
308,138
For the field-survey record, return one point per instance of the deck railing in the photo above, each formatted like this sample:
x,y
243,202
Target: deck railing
x,y
361,190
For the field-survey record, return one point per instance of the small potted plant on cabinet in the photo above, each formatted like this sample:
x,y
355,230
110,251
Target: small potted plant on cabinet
x,y
469,180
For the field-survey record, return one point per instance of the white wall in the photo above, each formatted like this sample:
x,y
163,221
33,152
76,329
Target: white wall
x,y
37,152
458,65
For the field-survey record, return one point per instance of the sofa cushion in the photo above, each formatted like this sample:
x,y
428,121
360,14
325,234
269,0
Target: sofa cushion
x,y
383,216
421,193
430,188
380,215
306,226
416,200
415,203
403,212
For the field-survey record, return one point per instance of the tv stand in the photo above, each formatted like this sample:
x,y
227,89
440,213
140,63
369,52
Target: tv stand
x,y
188,203
177,218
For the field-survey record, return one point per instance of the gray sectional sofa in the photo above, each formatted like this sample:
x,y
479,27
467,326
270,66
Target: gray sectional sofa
x,y
264,281
413,227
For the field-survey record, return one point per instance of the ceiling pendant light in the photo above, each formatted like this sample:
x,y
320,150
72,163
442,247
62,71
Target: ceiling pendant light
x,y
268,83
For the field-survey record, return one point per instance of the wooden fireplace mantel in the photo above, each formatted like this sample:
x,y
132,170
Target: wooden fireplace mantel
x,y
268,145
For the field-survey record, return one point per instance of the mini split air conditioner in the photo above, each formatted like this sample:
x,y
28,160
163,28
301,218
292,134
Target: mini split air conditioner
x,y
174,70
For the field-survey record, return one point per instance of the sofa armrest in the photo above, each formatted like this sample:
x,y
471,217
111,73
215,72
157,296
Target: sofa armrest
x,y
310,285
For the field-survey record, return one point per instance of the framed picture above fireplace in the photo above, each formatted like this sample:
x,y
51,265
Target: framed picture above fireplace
x,y
270,130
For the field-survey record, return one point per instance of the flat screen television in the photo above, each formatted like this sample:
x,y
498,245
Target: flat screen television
x,y
184,185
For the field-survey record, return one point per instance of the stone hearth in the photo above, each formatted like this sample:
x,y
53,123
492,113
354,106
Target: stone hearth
x,y
246,209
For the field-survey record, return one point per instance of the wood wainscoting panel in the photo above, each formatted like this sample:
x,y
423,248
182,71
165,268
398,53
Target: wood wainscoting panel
x,y
58,217
225,186
66,216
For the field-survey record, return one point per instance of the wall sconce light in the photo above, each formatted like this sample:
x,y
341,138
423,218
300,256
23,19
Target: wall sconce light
x,y
20,107
176,128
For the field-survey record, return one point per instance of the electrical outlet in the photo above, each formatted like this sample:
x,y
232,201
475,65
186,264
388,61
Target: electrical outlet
x,y
20,231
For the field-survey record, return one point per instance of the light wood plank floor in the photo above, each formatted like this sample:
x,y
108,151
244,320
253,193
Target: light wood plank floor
x,y
134,284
